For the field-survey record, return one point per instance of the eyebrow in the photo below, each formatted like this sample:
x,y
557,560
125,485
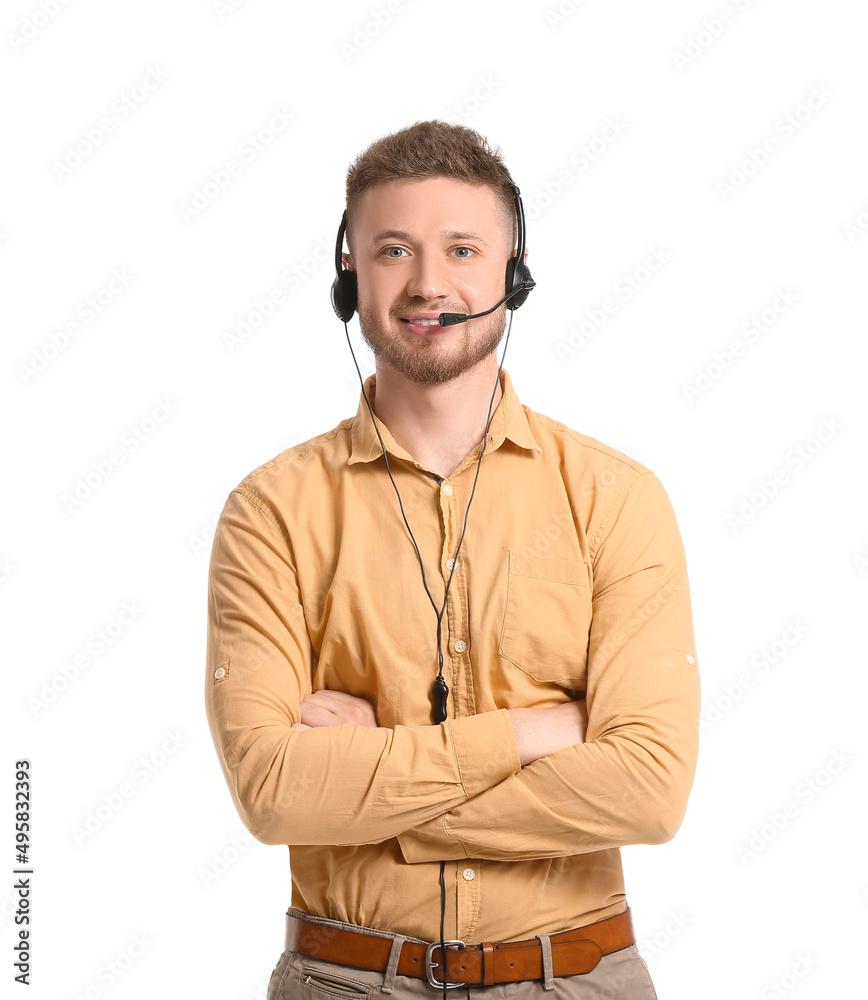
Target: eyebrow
x,y
400,234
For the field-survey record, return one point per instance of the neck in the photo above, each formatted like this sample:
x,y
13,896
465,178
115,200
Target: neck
x,y
439,424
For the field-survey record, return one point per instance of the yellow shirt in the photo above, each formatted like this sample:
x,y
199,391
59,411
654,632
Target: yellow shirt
x,y
571,577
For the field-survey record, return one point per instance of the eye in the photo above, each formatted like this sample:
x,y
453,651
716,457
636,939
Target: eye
x,y
467,254
394,252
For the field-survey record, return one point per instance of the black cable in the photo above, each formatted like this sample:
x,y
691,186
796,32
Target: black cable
x,y
428,592
442,930
467,511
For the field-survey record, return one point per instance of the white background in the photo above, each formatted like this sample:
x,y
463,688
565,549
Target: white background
x,y
735,905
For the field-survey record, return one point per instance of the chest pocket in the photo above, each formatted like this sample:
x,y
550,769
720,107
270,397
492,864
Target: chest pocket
x,y
547,619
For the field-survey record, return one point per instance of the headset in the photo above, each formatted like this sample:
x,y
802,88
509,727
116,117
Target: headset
x,y
344,298
345,287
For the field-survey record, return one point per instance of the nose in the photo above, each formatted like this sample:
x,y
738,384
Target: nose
x,y
429,277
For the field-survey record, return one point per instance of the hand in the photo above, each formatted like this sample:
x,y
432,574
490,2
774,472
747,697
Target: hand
x,y
334,708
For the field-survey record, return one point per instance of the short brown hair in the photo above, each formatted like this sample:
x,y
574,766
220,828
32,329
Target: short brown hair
x,y
431,149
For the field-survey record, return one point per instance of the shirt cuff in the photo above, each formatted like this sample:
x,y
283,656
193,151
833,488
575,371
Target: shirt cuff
x,y
485,748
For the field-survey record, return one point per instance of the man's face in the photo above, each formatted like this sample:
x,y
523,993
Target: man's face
x,y
422,247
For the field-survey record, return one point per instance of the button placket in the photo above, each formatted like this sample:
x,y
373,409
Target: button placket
x,y
461,688
449,513
469,893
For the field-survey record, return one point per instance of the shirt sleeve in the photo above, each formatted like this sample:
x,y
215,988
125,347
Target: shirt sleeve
x,y
628,783
331,785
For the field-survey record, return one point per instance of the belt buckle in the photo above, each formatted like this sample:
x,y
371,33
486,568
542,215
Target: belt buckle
x,y
429,965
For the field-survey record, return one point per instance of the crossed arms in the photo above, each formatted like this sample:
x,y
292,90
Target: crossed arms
x,y
314,768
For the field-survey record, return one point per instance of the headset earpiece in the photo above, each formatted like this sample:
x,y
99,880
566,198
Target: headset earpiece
x,y
345,287
518,276
517,272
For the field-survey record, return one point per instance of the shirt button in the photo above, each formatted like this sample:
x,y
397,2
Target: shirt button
x,y
460,646
469,874
447,490
450,563
220,672
689,658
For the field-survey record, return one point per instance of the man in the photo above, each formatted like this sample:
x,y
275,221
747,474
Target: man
x,y
556,610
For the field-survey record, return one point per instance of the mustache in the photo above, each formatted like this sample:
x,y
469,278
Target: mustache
x,y
435,307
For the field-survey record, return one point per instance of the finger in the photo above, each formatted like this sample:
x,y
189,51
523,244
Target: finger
x,y
341,696
322,698
336,703
314,714
314,708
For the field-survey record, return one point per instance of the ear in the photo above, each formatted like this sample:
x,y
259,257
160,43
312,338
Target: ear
x,y
347,258
526,252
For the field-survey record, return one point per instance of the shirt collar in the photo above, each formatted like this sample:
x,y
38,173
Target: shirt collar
x,y
509,420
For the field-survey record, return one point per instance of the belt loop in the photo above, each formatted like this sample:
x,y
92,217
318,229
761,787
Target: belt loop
x,y
548,968
392,966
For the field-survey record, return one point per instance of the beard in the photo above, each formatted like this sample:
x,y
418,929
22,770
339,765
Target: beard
x,y
425,360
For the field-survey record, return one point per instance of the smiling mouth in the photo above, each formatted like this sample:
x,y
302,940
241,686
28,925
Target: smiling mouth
x,y
423,326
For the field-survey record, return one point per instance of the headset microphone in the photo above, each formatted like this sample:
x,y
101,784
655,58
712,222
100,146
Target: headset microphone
x,y
451,319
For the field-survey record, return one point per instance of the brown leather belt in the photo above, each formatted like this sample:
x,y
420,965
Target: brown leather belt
x,y
574,952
